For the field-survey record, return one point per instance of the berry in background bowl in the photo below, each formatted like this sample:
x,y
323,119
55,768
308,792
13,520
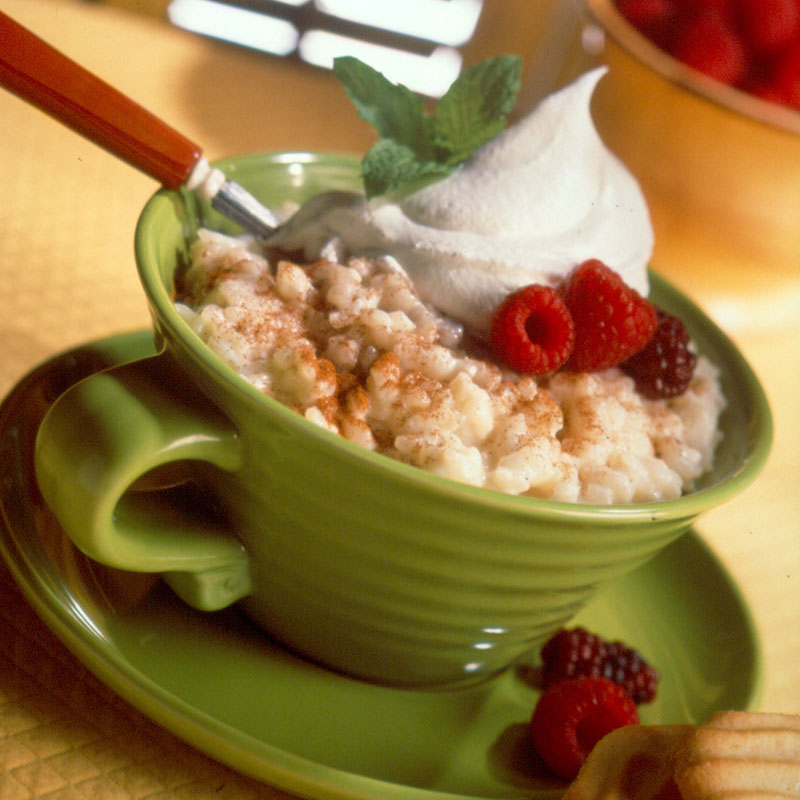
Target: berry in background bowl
x,y
753,45
718,164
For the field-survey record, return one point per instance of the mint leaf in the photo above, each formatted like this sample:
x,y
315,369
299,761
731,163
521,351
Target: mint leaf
x,y
416,147
473,109
391,108
389,165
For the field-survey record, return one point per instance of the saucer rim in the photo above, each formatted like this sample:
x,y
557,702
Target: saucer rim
x,y
215,737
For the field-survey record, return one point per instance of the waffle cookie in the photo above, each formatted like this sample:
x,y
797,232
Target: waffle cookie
x,y
741,755
735,755
636,761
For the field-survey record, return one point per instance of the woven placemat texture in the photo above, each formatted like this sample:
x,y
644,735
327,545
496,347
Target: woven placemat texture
x,y
64,735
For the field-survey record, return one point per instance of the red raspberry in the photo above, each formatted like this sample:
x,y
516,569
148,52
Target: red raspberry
x,y
612,321
785,79
573,715
653,18
769,92
532,330
690,5
664,367
579,653
769,25
745,43
708,42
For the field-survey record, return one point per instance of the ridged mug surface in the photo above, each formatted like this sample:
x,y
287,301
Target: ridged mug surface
x,y
381,570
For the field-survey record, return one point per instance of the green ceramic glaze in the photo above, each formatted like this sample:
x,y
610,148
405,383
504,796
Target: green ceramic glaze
x,y
217,682
361,563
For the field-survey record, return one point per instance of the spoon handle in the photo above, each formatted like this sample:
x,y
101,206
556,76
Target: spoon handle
x,y
38,73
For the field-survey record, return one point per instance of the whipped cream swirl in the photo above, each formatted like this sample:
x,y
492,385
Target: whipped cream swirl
x,y
528,207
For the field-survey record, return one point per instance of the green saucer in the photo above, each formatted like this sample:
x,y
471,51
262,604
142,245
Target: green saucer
x,y
224,687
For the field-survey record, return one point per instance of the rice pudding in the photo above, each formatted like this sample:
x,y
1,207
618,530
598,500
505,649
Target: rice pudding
x,y
353,348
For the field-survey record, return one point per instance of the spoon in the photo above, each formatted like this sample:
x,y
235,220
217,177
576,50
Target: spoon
x,y
41,75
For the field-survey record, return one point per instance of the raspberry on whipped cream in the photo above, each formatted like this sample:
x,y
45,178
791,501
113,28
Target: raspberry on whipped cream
x,y
526,208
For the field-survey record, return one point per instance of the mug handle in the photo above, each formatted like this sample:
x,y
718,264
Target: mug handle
x,y
102,436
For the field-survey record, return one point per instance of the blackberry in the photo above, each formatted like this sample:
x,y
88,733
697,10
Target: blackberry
x,y
664,367
626,667
578,653
572,654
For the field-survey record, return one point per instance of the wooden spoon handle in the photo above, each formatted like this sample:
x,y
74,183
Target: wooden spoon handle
x,y
38,73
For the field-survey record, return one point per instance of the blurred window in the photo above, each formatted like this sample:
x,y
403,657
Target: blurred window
x,y
414,42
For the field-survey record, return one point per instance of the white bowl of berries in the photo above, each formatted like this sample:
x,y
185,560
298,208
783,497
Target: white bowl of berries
x,y
701,103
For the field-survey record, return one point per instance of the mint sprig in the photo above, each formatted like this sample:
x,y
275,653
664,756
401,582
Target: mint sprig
x,y
389,164
416,146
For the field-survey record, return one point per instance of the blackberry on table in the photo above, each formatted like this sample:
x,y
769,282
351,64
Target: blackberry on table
x,y
579,653
626,667
572,654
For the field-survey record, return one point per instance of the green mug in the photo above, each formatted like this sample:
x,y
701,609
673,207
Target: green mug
x,y
175,465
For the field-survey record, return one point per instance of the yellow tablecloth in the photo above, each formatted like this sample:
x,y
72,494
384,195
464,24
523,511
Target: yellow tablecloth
x,y
67,216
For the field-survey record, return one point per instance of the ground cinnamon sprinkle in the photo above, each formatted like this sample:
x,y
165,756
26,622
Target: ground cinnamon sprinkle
x,y
353,349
